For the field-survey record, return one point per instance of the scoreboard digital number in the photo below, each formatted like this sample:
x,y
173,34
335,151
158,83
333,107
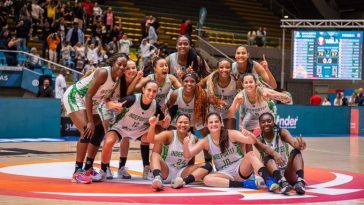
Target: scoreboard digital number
x,y
333,55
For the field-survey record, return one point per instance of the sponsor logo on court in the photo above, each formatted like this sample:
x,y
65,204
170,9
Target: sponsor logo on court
x,y
52,181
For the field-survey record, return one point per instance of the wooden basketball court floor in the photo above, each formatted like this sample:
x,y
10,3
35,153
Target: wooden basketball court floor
x,y
343,155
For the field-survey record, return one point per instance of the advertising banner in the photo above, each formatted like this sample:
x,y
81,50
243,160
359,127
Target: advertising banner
x,y
30,80
9,78
314,120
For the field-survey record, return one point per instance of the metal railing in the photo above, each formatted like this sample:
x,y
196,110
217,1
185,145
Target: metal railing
x,y
21,61
214,48
236,38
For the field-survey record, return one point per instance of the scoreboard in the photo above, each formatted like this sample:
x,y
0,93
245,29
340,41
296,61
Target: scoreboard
x,y
333,55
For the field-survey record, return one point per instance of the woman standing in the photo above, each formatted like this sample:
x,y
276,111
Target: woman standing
x,y
80,101
223,85
166,82
132,121
185,60
245,65
255,101
125,87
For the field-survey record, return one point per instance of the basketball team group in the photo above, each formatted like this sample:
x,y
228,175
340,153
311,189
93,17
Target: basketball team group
x,y
232,108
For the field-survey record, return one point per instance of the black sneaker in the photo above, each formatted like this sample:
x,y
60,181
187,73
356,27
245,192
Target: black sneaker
x,y
299,186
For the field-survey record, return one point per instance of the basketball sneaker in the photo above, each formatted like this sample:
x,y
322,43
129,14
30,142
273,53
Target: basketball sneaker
x,y
80,177
91,173
123,173
271,184
299,186
109,174
146,171
250,184
178,183
100,177
157,183
284,185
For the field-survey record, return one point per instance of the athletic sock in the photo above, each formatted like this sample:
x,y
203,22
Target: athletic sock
x,y
300,173
189,179
156,172
277,175
104,166
144,150
89,163
235,184
263,172
122,162
78,165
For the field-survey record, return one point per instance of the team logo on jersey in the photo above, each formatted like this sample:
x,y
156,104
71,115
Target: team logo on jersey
x,y
52,181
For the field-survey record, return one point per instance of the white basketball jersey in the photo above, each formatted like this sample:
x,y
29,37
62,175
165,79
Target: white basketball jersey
x,y
184,107
172,154
222,160
163,91
133,122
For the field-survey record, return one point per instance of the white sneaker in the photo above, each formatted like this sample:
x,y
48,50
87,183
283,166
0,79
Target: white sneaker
x,y
178,183
123,173
100,177
157,183
146,171
109,174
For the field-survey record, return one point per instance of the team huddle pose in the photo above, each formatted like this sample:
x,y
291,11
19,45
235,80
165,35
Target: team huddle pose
x,y
167,107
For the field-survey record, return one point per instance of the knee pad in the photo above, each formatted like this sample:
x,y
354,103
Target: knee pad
x,y
294,153
98,135
266,159
207,166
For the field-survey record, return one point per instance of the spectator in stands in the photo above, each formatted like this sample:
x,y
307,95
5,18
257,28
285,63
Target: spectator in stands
x,y
189,29
259,38
60,86
96,10
264,36
53,40
46,31
338,101
353,99
88,67
109,19
315,99
65,12
75,35
23,29
143,27
51,11
155,23
34,61
124,45
360,99
92,52
145,51
88,9
251,37
78,13
152,34
66,53
45,91
326,102
344,99
11,45
112,47
37,16
80,53
182,27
